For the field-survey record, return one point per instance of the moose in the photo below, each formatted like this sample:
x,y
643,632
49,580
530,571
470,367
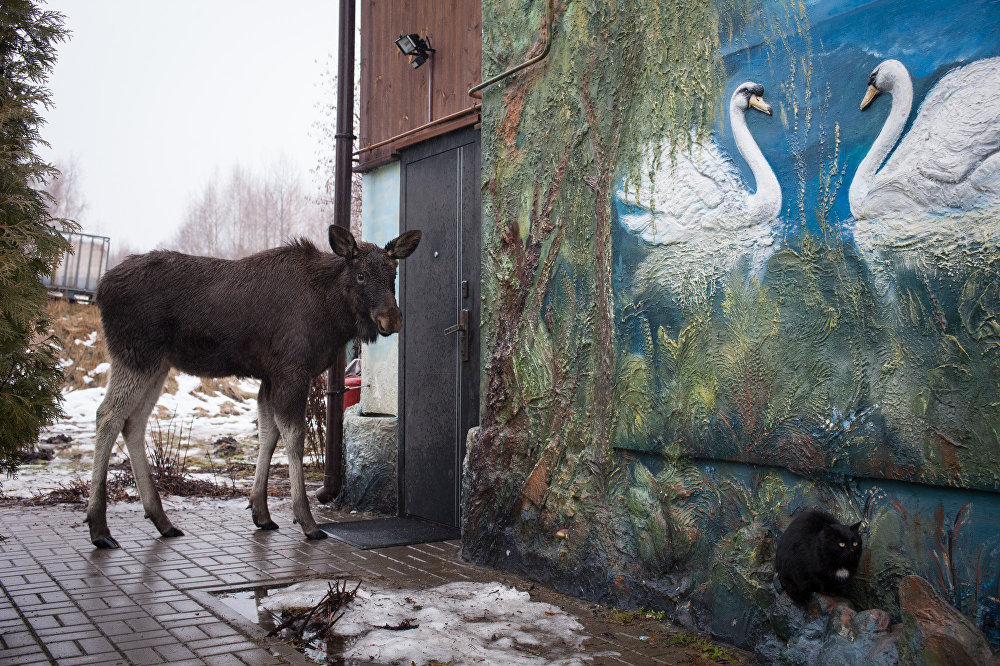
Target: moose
x,y
278,316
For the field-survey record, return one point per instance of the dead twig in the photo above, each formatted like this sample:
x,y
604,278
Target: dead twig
x,y
299,622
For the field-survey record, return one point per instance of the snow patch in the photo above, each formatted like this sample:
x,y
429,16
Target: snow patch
x,y
461,623
236,420
89,342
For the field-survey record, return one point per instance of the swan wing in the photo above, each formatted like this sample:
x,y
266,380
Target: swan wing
x,y
940,162
677,197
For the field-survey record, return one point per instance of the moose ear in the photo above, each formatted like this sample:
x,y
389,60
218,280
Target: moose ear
x,y
342,242
399,248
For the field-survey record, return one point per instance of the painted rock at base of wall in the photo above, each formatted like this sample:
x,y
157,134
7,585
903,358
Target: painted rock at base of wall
x,y
370,448
829,631
946,636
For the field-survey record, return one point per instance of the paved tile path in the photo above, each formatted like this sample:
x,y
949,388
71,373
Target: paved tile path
x,y
62,601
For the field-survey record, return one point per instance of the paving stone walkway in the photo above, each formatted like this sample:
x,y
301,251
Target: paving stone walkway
x,y
62,601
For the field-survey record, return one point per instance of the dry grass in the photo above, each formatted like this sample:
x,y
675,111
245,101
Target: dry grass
x,y
77,491
74,324
227,386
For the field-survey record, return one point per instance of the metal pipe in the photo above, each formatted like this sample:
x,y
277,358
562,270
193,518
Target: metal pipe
x,y
90,264
430,87
341,218
402,135
474,92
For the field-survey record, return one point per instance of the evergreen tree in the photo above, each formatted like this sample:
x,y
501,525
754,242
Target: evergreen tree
x,y
30,244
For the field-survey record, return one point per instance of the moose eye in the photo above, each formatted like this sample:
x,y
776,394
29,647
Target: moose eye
x,y
842,544
361,277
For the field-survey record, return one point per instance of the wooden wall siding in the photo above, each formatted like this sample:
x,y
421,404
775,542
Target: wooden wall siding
x,y
393,94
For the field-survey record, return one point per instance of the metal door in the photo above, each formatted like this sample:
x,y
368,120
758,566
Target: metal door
x,y
439,343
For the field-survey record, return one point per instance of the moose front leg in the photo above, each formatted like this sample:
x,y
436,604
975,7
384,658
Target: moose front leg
x,y
267,437
290,415
109,424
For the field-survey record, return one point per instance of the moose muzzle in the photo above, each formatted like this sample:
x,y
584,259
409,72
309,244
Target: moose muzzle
x,y
389,321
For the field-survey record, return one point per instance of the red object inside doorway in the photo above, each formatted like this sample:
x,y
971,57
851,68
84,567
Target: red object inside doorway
x,y
352,391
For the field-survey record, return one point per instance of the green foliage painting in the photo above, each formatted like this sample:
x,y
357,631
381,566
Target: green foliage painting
x,y
722,282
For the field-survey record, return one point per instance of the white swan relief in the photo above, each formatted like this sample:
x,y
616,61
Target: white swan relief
x,y
940,188
949,161
694,207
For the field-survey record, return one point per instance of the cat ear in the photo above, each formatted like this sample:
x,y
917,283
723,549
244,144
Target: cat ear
x,y
827,531
856,526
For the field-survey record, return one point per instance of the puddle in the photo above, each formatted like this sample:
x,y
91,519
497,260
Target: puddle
x,y
461,623
250,604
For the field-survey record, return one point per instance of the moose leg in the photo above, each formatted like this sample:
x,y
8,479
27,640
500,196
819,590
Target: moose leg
x,y
120,399
267,437
134,433
290,415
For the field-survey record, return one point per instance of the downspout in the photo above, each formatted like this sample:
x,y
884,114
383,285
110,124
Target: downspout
x,y
341,218
474,92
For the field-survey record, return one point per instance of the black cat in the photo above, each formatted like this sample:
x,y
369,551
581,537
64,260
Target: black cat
x,y
816,554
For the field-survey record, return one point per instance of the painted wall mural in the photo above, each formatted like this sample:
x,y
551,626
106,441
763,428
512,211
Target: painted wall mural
x,y
743,258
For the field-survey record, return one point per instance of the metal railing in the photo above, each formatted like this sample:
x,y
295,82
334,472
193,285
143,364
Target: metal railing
x,y
78,273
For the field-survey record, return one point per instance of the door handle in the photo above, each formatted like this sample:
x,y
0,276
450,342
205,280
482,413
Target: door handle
x,y
462,327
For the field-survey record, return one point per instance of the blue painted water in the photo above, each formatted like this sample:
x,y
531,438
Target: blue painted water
x,y
840,44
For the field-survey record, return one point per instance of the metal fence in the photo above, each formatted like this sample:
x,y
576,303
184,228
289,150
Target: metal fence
x,y
77,275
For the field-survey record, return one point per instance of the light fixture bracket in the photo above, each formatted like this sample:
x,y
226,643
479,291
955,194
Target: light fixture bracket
x,y
417,48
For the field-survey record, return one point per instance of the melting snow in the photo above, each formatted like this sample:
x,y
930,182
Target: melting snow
x,y
461,623
192,414
89,342
81,412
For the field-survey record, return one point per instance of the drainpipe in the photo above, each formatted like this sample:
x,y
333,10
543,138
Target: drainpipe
x,y
341,218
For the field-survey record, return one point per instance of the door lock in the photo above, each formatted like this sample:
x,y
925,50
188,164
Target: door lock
x,y
462,328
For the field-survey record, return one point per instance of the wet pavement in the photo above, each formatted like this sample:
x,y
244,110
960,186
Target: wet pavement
x,y
153,600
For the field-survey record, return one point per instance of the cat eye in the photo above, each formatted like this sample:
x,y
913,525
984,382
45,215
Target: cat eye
x,y
855,543
842,544
361,277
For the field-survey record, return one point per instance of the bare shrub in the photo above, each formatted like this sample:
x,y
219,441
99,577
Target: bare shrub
x,y
316,423
227,386
78,328
249,212
319,619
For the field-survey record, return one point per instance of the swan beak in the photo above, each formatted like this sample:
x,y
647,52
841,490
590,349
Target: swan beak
x,y
758,103
872,93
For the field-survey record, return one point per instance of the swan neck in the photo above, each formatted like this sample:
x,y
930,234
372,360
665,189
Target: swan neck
x,y
902,100
768,193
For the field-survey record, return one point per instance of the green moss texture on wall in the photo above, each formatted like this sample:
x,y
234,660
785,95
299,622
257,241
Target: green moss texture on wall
x,y
686,342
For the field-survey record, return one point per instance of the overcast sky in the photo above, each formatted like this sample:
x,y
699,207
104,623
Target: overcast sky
x,y
151,99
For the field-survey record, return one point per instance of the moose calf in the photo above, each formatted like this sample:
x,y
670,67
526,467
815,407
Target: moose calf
x,y
278,316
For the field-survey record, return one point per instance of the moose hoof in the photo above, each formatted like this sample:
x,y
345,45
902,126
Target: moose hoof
x,y
172,532
316,534
269,525
106,542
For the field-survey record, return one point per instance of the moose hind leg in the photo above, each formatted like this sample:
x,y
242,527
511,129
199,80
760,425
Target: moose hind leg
x,y
290,415
119,401
134,433
267,431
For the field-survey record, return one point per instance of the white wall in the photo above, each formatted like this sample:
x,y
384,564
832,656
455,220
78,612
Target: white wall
x,y
380,222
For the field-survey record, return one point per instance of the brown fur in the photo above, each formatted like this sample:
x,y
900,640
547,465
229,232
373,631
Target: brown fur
x,y
278,316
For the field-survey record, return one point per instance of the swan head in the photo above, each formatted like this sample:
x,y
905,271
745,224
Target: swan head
x,y
749,95
884,78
